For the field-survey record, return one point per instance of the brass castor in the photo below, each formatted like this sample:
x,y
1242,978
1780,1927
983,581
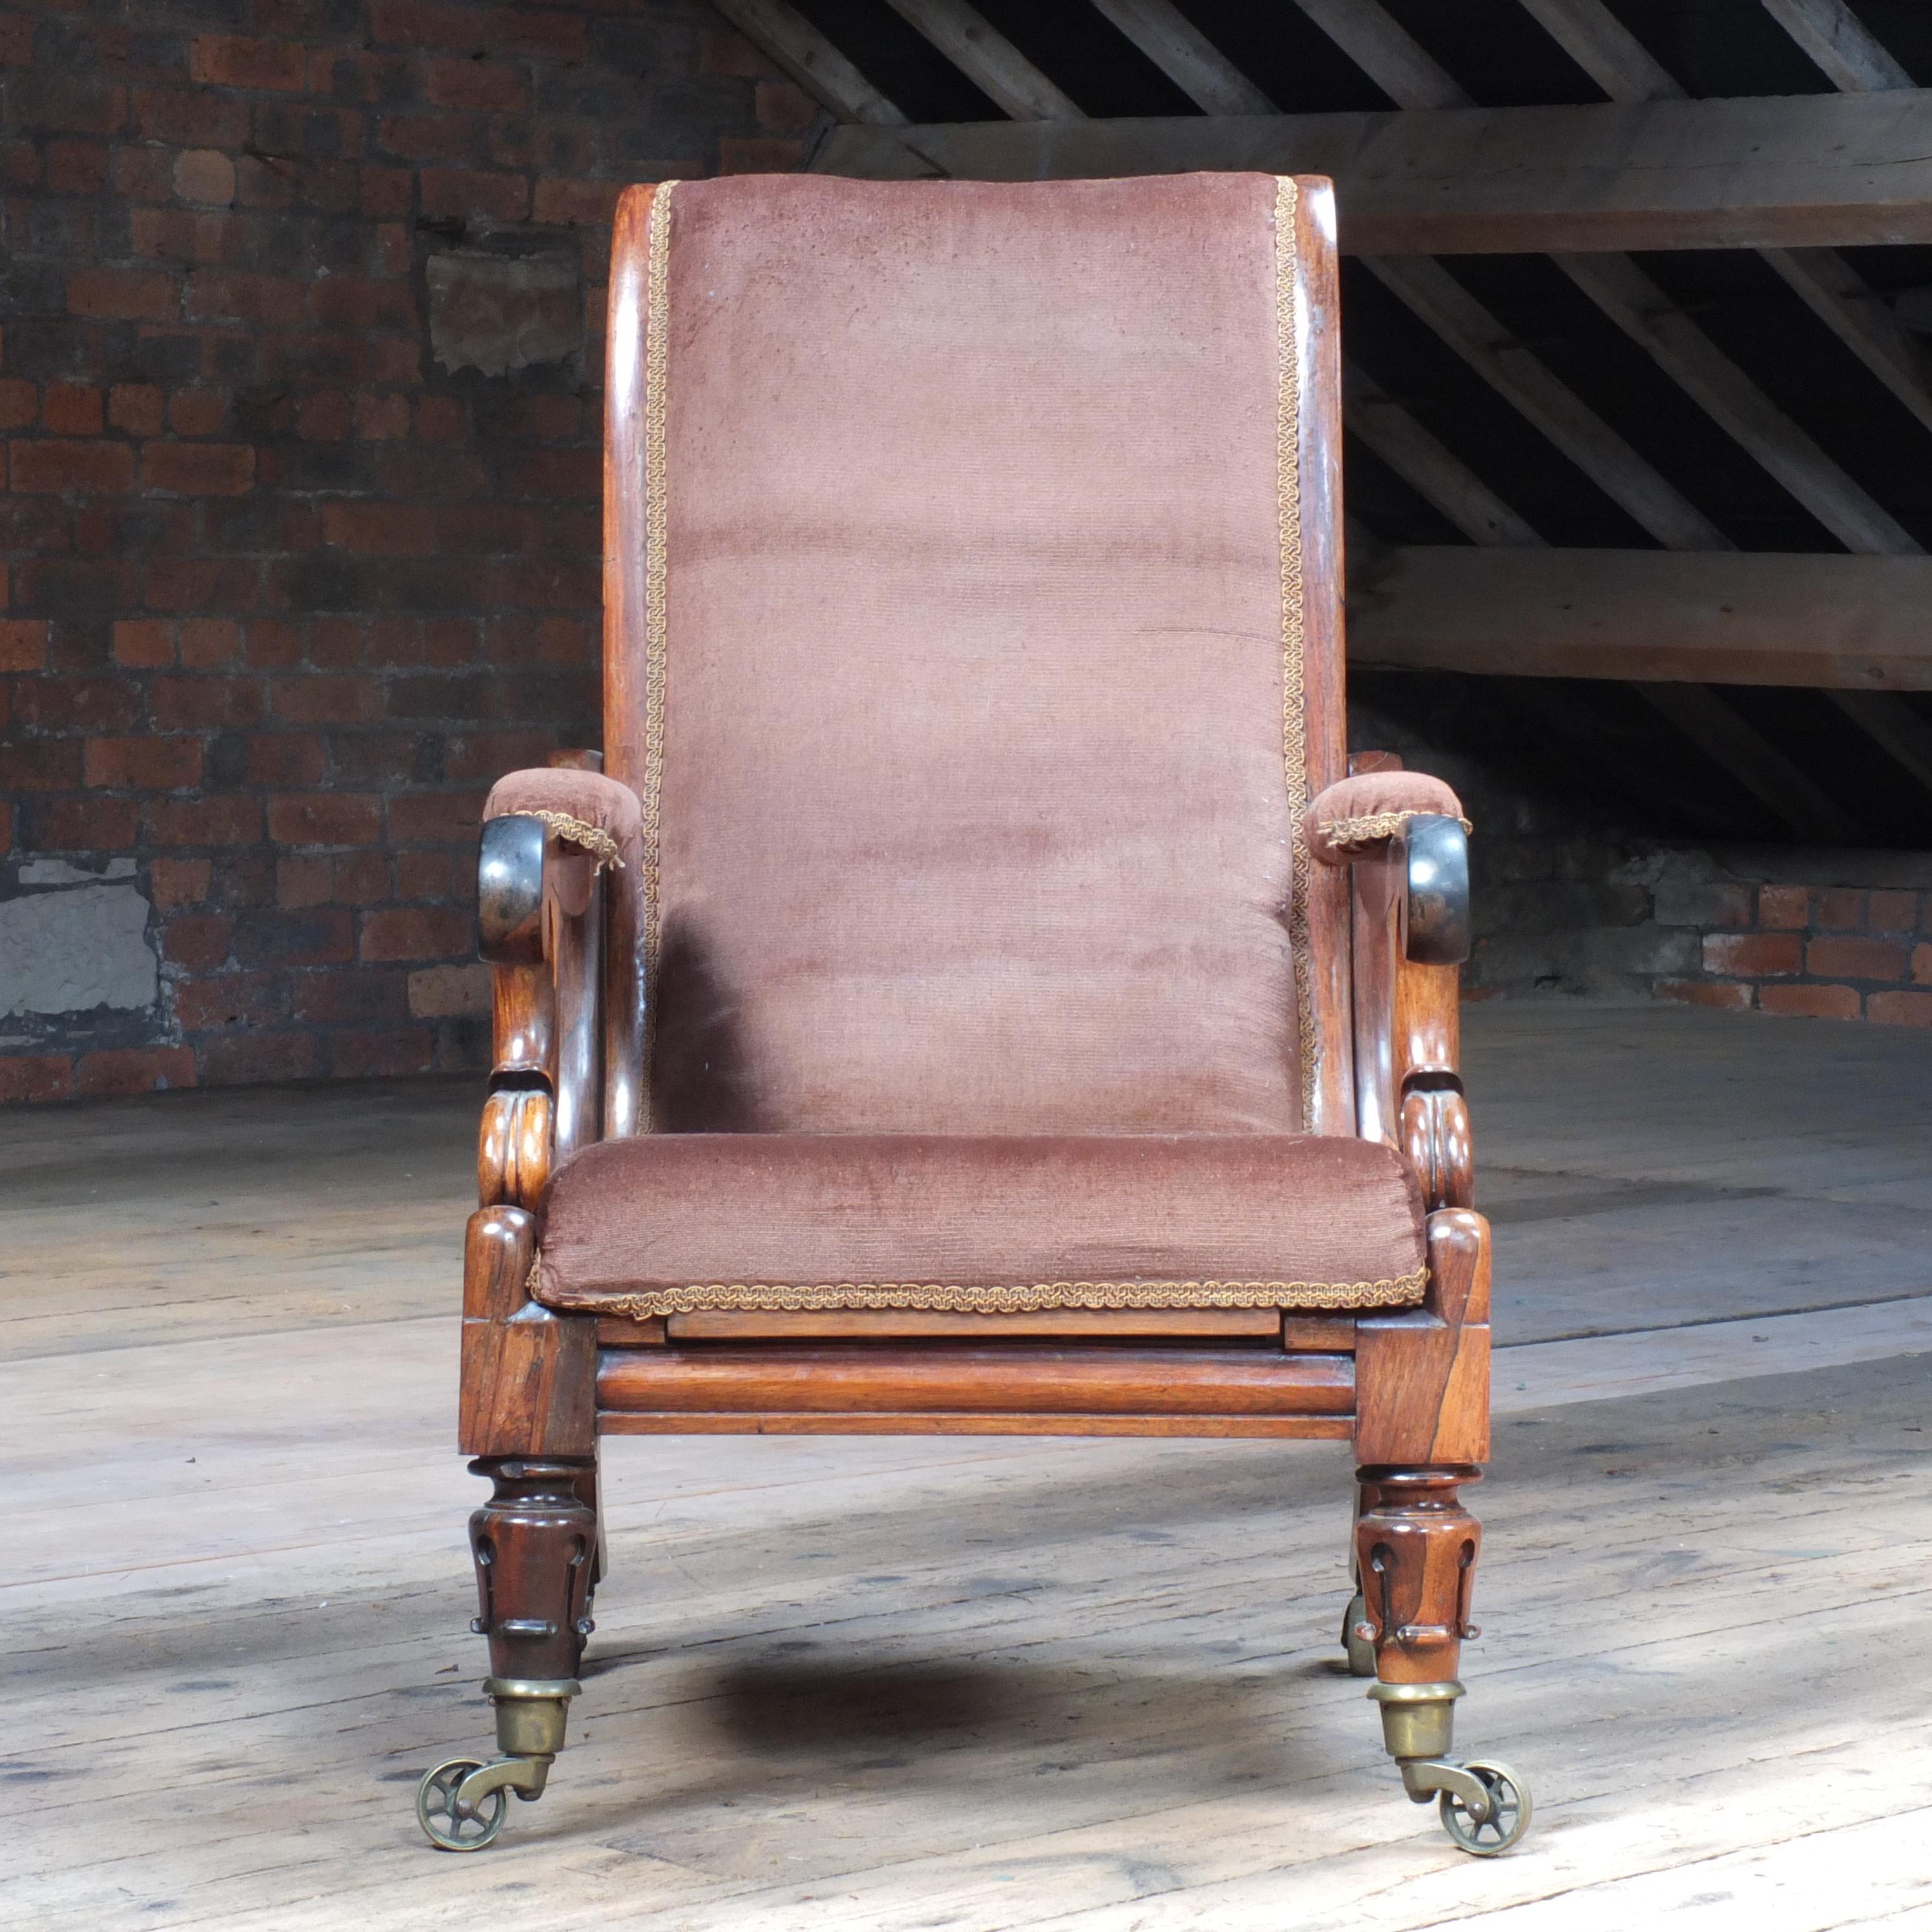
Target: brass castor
x,y
1484,1806
448,1827
1358,1637
1509,1811
461,1803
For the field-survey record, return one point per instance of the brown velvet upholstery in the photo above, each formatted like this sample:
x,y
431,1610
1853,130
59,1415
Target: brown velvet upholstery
x,y
971,794
584,808
667,1223
1353,817
957,660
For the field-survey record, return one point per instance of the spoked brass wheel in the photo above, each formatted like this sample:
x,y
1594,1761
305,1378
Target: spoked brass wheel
x,y
1509,1813
1361,1651
442,1824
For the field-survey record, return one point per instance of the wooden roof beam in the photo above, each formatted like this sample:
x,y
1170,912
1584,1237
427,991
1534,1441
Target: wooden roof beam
x,y
1186,56
784,35
987,59
1843,47
1785,172
1437,298
1436,473
1826,622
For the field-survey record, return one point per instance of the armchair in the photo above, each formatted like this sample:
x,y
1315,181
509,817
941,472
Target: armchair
x,y
975,996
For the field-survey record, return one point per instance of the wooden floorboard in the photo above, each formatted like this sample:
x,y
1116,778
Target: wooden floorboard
x,y
986,1684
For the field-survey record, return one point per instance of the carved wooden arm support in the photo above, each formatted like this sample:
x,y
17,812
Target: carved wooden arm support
x,y
1404,838
559,917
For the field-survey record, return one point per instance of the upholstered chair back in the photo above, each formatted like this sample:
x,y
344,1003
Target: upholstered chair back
x,y
972,648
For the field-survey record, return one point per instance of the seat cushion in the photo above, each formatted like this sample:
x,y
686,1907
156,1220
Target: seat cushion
x,y
670,1224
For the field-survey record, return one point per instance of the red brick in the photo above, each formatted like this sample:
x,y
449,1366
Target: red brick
x,y
67,102
78,704
317,936
225,60
1813,1003
134,1069
205,176
1892,912
740,157
432,874
199,941
358,1055
1856,958
52,764
579,204
491,86
135,408
272,645
144,764
313,700
323,416
1922,965
48,468
199,469
387,190
122,294
203,704
36,1076
416,932
1730,997
441,419
203,821
785,109
435,818
381,418
254,1058
354,994
86,825
19,404
468,193
1751,955
208,643
286,759
226,1000
72,409
1900,1008
179,882
381,529
721,51
230,295
1838,909
198,412
304,880
325,818
23,643
76,167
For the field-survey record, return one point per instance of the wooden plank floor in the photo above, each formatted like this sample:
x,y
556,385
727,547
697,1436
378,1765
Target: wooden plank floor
x,y
979,1684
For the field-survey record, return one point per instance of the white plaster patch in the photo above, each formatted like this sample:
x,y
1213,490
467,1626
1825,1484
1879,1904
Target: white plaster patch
x,y
61,872
68,952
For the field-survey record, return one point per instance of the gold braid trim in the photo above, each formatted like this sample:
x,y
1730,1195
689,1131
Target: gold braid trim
x,y
947,1298
1295,735
1366,830
593,838
657,348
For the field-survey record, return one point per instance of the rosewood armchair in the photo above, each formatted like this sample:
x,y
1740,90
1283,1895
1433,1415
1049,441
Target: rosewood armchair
x,y
973,995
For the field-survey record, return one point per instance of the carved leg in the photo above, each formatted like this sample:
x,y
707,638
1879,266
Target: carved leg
x,y
1416,1548
1355,1638
534,1543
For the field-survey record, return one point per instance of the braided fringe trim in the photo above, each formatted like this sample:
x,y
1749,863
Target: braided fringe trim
x,y
946,1298
1366,830
593,838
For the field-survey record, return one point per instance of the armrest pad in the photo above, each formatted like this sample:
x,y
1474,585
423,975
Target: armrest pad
x,y
1349,819
584,809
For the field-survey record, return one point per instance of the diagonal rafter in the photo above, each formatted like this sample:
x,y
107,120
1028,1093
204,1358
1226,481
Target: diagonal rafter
x,y
1186,55
987,59
1845,50
783,35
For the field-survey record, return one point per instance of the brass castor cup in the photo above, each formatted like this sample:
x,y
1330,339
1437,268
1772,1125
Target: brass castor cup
x,y
461,1805
1484,1806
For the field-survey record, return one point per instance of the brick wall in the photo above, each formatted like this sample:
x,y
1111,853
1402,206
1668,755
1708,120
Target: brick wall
x,y
300,356
1567,904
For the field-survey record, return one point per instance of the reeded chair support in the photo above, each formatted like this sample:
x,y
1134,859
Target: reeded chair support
x,y
598,1300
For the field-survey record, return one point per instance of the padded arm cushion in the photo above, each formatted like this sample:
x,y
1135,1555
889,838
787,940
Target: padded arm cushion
x,y
1347,820
584,808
